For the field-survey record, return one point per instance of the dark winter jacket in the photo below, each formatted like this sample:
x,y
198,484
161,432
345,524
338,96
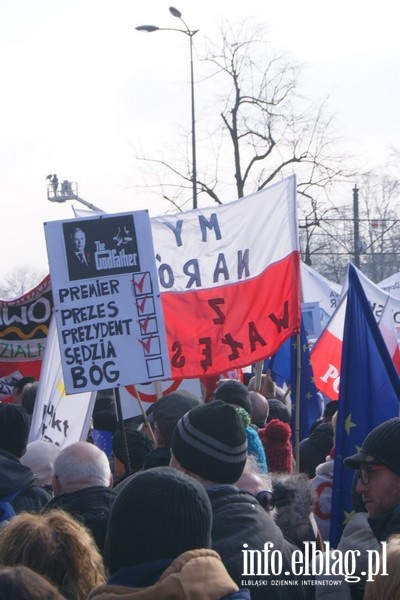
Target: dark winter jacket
x,y
314,449
91,506
383,526
16,477
239,519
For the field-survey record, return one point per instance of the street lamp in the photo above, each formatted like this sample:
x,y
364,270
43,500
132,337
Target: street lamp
x,y
189,32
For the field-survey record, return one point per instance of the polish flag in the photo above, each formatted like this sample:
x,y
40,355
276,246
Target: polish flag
x,y
229,279
326,354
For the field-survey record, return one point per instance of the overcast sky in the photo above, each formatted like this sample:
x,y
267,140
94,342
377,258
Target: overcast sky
x,y
82,92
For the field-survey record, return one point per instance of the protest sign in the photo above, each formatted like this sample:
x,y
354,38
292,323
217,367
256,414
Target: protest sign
x,y
107,303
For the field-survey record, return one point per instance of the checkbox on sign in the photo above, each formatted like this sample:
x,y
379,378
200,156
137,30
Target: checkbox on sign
x,y
155,368
145,306
142,284
151,345
148,325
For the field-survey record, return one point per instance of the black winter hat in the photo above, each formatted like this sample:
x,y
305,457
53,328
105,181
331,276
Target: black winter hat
x,y
234,392
211,441
383,444
169,409
158,514
138,446
14,428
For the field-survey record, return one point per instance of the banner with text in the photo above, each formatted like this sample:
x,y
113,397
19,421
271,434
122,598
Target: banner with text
x,y
24,324
107,302
229,278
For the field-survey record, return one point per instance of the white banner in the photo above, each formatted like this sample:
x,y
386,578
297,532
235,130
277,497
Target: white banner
x,y
59,418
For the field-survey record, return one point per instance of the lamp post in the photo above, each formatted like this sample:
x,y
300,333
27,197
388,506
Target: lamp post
x,y
189,32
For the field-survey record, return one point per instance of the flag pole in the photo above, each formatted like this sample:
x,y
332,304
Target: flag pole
x,y
146,421
125,452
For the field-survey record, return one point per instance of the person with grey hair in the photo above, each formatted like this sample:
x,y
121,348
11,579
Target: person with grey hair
x,y
82,485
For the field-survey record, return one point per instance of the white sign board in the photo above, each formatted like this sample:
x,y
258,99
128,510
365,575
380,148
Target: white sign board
x,y
107,302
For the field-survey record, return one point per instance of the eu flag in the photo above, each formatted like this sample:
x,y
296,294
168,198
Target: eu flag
x,y
283,366
369,394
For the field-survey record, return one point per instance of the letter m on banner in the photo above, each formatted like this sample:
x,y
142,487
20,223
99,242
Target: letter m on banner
x,y
229,280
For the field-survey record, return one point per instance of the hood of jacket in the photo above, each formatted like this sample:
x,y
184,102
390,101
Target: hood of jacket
x,y
184,578
14,476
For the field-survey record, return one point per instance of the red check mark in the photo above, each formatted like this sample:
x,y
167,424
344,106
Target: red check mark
x,y
144,324
141,304
146,344
140,283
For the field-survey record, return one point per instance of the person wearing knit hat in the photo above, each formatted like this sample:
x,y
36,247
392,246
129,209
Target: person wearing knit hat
x,y
275,438
236,394
158,540
18,489
378,466
233,392
210,441
210,444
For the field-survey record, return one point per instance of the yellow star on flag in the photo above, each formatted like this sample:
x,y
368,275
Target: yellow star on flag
x,y
347,516
348,424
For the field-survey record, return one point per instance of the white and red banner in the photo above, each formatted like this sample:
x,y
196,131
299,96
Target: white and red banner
x,y
229,278
327,353
24,324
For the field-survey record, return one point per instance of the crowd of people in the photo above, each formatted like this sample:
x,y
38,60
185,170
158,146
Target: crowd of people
x,y
198,499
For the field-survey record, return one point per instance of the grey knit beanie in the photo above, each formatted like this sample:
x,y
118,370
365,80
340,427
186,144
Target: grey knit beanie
x,y
211,441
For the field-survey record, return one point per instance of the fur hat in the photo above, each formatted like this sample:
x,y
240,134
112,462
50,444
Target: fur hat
x,y
158,514
234,392
383,444
14,429
275,438
294,500
210,440
40,456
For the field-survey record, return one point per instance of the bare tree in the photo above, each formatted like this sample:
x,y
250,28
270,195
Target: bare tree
x,y
19,281
266,129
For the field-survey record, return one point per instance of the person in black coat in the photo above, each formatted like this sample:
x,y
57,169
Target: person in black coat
x,y
18,489
210,444
82,484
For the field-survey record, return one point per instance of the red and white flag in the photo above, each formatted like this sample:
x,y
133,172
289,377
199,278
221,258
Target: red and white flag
x,y
326,355
229,280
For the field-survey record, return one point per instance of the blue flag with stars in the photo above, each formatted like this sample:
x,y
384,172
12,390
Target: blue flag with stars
x,y
369,395
283,367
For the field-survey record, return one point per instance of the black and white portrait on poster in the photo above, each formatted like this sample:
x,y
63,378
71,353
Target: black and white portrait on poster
x,y
107,304
101,247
